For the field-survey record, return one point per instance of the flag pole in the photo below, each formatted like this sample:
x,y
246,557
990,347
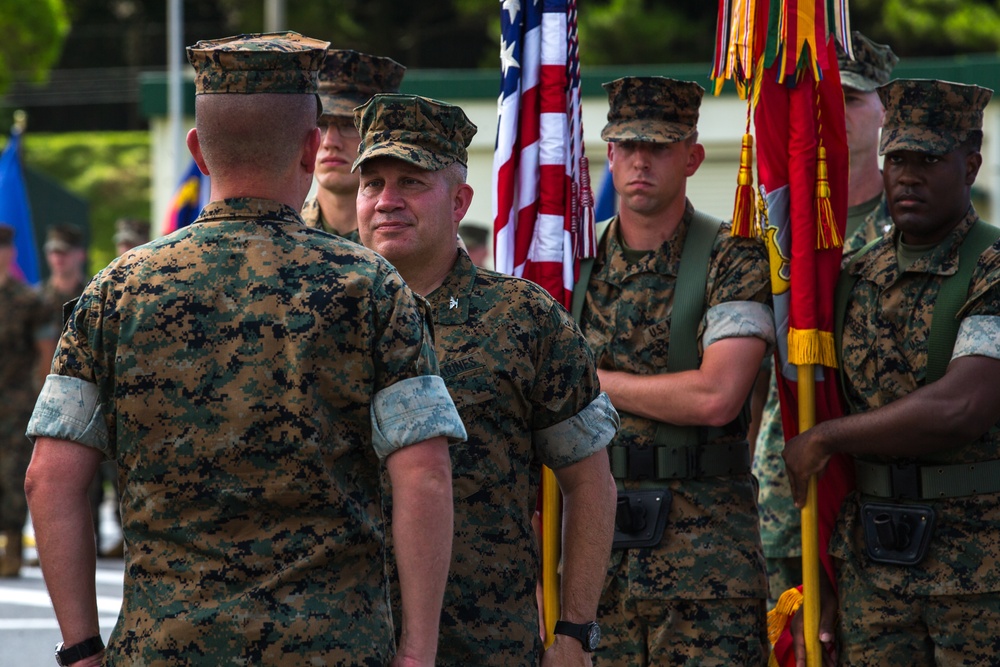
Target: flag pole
x,y
810,525
551,539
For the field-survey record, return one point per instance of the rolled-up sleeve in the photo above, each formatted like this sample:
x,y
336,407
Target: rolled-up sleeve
x,y
576,438
69,408
411,411
978,335
739,319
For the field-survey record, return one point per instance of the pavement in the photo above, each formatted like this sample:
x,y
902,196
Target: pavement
x,y
28,627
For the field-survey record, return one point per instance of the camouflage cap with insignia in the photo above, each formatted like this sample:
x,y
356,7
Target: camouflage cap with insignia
x,y
348,79
651,108
6,234
275,62
871,66
930,116
418,130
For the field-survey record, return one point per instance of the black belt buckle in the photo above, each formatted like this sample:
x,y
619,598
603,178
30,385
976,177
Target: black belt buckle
x,y
641,463
905,480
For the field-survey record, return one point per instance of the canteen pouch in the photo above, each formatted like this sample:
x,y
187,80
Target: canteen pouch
x,y
640,518
897,534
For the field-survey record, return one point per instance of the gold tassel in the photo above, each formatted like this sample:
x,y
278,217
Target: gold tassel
x,y
745,211
827,235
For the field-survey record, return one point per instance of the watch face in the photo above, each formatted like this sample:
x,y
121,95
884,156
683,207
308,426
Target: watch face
x,y
593,635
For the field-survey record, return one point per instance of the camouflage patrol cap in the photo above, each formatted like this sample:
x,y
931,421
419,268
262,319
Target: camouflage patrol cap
x,y
871,66
348,79
274,62
131,231
930,116
651,108
6,234
61,238
418,130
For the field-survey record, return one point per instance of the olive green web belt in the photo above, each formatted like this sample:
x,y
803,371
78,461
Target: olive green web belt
x,y
912,481
680,461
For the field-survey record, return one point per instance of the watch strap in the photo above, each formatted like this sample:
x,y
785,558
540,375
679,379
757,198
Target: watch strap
x,y
76,652
579,631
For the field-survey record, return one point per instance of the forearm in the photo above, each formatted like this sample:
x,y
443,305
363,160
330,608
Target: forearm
x,y
711,395
588,530
943,415
64,534
423,526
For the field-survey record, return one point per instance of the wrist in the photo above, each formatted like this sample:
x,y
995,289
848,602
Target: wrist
x,y
587,634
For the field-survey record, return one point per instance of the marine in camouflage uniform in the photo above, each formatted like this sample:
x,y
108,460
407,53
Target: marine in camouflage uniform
x,y
250,375
867,219
697,597
347,80
21,333
945,608
65,254
523,380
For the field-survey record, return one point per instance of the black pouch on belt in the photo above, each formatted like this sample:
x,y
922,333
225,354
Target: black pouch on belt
x,y
640,518
897,534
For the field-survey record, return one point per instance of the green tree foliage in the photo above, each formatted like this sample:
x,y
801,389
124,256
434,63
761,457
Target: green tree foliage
x,y
31,37
924,28
110,170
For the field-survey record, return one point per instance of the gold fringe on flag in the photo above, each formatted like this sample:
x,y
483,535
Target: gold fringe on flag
x,y
811,346
777,618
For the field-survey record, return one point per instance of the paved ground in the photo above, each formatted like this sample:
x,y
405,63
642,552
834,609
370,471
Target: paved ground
x,y
28,628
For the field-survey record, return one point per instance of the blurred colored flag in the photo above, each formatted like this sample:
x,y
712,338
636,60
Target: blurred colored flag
x,y
543,220
607,198
188,200
16,212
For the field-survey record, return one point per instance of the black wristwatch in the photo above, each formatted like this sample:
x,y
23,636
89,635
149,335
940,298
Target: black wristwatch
x,y
589,634
70,654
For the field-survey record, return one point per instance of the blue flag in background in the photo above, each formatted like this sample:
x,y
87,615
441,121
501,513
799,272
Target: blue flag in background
x,y
15,211
607,198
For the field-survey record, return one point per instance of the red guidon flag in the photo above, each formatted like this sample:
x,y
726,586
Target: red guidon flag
x,y
782,54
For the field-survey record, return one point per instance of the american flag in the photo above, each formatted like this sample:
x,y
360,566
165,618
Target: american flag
x,y
543,215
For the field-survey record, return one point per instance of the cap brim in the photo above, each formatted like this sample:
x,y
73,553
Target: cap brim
x,y
415,155
646,131
857,82
340,106
920,140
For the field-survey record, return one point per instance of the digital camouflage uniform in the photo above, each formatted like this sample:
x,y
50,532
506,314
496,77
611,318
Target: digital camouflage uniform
x,y
312,216
524,382
945,609
699,596
526,388
347,80
248,375
20,328
780,525
711,548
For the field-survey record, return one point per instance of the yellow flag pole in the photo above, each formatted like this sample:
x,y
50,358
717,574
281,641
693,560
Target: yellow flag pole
x,y
551,542
810,526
